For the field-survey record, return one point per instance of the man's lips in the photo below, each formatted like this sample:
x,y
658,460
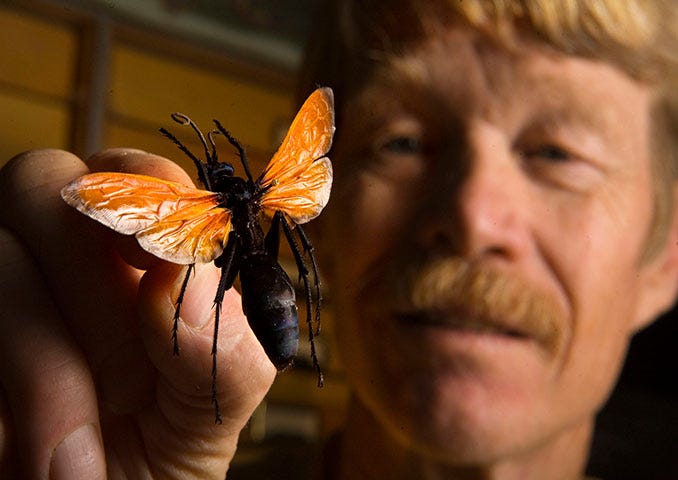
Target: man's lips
x,y
461,321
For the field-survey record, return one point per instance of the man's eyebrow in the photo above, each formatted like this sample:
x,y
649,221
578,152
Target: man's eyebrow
x,y
391,74
555,116
567,103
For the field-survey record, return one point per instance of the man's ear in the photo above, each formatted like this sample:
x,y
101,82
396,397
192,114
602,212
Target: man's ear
x,y
660,282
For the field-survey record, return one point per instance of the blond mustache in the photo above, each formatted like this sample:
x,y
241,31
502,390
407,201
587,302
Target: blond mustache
x,y
465,294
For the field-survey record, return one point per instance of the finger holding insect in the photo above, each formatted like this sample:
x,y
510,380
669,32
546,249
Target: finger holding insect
x,y
245,373
97,302
241,355
184,389
99,309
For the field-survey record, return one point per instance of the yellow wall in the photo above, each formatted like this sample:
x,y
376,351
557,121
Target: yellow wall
x,y
37,82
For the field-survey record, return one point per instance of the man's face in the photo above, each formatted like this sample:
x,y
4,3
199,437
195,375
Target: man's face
x,y
489,224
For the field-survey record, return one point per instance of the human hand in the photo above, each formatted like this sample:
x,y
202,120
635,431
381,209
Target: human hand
x,y
90,386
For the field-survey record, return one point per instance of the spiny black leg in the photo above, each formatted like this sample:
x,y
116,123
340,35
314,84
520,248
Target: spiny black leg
x,y
228,273
303,272
180,299
308,248
217,303
239,148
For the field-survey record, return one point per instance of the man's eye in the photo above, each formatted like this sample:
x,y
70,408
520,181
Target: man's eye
x,y
549,152
403,145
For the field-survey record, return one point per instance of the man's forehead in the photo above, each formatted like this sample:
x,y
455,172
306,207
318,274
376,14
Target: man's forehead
x,y
472,74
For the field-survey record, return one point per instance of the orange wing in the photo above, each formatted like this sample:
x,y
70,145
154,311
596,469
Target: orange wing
x,y
299,176
174,222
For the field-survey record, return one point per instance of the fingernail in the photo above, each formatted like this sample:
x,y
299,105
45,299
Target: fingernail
x,y
115,153
79,456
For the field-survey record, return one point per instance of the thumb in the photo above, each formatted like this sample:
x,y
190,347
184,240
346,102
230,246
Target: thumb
x,y
244,372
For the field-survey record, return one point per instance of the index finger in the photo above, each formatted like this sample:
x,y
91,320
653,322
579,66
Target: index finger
x,y
98,301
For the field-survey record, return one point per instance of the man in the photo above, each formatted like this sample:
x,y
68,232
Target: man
x,y
502,233
502,223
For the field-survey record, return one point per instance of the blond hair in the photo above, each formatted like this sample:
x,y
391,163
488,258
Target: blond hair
x,y
637,36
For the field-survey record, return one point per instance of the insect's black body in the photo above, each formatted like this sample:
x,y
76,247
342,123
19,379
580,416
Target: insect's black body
x,y
268,296
269,303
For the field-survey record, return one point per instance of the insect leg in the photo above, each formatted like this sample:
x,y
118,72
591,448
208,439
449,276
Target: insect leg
x,y
308,248
229,270
180,299
272,240
303,272
238,147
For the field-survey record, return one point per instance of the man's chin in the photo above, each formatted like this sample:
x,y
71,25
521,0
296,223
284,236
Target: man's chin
x,y
457,388
466,409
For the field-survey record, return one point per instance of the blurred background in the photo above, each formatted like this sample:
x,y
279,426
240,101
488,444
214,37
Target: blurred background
x,y
83,75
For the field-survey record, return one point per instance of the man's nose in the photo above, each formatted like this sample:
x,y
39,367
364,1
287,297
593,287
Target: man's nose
x,y
483,210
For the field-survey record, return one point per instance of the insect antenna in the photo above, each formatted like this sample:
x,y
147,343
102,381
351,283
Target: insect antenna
x,y
183,119
241,151
210,137
304,273
200,166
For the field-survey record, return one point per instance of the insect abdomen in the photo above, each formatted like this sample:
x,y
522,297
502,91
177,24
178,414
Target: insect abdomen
x,y
269,303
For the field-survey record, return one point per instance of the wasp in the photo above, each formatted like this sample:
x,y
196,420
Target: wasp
x,y
222,223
